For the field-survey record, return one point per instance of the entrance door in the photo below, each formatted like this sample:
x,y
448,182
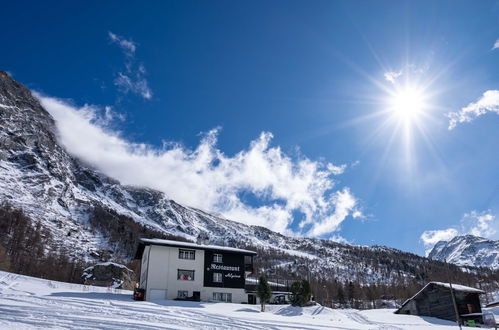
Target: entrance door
x,y
251,299
196,295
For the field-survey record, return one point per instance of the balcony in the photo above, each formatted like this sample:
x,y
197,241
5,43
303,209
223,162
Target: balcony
x,y
276,284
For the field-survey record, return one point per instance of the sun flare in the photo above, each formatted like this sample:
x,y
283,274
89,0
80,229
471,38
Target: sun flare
x,y
407,104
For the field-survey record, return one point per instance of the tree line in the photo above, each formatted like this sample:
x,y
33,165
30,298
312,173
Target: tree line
x,y
399,276
28,248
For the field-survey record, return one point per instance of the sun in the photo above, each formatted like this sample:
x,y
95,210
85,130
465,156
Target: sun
x,y
407,103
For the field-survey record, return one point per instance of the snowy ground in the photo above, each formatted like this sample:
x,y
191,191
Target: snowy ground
x,y
27,302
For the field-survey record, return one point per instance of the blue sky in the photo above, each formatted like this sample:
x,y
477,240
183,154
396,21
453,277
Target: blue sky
x,y
173,77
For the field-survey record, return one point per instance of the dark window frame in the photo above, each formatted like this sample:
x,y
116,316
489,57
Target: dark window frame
x,y
179,278
182,253
218,258
221,278
222,295
182,296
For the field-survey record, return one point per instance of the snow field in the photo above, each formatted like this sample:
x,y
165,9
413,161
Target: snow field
x,y
32,303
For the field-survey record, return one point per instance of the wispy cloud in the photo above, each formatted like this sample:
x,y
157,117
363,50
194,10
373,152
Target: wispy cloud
x,y
432,237
475,223
339,239
128,46
392,76
208,179
132,79
489,102
496,45
412,71
481,224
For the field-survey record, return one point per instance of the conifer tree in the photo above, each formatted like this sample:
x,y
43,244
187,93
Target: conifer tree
x,y
300,293
263,291
4,259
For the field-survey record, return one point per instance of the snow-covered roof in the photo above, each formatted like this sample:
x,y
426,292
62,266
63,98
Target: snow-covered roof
x,y
255,281
472,314
493,304
108,263
165,242
458,287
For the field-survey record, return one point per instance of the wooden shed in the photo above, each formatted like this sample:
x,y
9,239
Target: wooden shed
x,y
435,300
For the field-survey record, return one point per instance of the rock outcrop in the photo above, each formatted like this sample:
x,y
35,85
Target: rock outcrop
x,y
109,274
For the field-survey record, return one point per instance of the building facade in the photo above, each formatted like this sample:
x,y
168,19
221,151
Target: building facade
x,y
180,270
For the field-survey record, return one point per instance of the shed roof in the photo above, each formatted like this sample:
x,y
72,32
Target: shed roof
x,y
165,242
458,287
493,304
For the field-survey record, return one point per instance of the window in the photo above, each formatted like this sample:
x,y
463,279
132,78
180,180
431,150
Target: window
x,y
185,275
186,254
182,294
217,257
220,296
248,260
217,277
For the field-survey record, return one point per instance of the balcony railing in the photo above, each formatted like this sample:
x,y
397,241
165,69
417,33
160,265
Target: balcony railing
x,y
276,284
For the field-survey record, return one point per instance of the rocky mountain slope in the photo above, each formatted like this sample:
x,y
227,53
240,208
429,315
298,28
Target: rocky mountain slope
x,y
62,193
468,250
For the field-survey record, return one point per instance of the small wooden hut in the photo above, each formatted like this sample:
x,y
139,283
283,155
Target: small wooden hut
x,y
435,300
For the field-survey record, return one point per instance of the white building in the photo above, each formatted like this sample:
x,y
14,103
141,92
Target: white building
x,y
174,269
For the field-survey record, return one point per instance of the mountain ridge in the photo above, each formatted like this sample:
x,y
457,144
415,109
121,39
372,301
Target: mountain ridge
x,y
64,194
468,250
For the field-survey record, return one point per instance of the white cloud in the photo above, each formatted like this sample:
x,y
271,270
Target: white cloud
x,y
496,45
344,203
412,71
127,84
489,102
431,237
132,79
481,224
475,223
208,179
357,214
128,46
110,115
392,76
339,239
336,170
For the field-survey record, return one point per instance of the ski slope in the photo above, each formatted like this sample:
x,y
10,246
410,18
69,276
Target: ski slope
x,y
28,303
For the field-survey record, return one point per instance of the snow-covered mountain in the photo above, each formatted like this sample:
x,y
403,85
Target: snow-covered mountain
x,y
61,192
468,250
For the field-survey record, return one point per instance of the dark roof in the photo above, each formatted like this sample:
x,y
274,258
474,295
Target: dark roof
x,y
163,242
492,304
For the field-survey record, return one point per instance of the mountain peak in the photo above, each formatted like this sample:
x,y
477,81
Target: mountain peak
x,y
7,83
468,250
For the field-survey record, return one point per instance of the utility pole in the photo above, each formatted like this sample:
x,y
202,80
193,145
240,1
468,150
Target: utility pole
x,y
458,320
308,269
480,286
327,295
